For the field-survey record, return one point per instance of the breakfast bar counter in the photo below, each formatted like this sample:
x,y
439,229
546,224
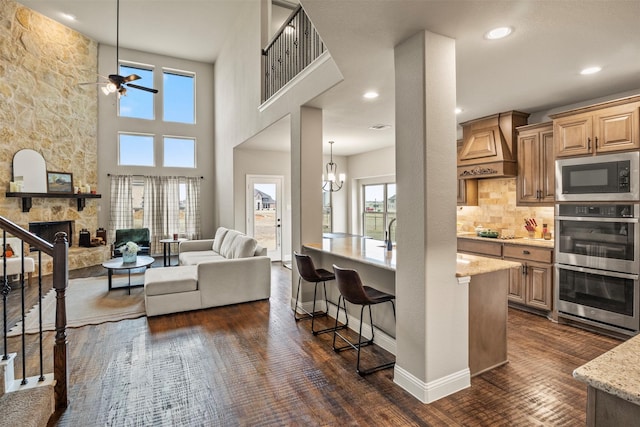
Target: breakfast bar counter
x,y
487,278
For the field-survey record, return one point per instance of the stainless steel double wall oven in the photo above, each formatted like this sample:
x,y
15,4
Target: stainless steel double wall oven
x,y
597,243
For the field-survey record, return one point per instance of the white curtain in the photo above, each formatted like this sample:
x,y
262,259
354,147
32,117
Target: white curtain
x,y
121,213
161,208
192,209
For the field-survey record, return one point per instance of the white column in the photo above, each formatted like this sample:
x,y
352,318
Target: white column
x,y
306,181
432,326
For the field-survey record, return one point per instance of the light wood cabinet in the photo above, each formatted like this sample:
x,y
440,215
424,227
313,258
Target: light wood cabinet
x,y
467,188
531,284
536,165
601,128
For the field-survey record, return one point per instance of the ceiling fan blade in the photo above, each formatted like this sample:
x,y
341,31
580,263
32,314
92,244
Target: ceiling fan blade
x,y
142,88
93,83
131,78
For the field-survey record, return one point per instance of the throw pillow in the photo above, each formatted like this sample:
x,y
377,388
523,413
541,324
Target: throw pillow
x,y
219,238
226,250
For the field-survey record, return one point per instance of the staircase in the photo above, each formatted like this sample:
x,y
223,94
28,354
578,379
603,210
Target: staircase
x,y
28,405
31,400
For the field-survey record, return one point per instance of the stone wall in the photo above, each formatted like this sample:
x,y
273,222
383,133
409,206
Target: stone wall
x,y
43,108
497,209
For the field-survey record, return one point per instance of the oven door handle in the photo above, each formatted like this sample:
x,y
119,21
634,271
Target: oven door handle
x,y
599,272
596,219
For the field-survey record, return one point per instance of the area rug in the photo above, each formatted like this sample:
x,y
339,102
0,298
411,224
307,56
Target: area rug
x,y
89,302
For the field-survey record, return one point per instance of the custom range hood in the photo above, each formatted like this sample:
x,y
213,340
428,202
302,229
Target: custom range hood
x,y
489,148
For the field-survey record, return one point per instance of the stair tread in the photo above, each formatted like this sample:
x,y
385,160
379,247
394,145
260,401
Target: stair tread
x,y
30,407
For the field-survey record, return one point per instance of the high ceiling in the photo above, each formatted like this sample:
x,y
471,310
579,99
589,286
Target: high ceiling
x,y
535,69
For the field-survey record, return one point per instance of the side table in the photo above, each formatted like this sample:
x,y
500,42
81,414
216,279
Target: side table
x,y
166,253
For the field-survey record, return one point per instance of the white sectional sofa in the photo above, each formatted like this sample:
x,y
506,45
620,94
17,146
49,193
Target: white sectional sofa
x,y
229,269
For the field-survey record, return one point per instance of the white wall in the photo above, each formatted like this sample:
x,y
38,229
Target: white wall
x,y
109,124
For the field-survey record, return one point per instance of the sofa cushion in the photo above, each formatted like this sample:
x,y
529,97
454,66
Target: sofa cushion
x,y
226,250
219,238
195,257
244,247
171,280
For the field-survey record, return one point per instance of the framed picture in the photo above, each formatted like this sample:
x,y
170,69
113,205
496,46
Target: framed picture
x,y
59,182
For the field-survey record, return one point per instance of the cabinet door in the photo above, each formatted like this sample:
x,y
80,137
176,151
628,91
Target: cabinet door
x,y
547,168
467,188
617,128
538,286
528,180
573,135
516,284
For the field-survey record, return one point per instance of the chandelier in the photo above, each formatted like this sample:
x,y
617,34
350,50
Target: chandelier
x,y
329,182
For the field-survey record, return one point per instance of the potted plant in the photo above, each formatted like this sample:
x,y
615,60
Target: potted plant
x,y
129,252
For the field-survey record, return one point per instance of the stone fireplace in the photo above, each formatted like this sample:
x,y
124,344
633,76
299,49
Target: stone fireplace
x,y
47,230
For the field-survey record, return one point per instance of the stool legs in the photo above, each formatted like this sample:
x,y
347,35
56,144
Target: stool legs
x,y
312,315
357,346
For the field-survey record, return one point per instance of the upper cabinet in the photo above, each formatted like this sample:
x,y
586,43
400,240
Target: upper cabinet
x,y
536,165
601,128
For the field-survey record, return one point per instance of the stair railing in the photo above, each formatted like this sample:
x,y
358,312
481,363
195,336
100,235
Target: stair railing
x,y
59,252
294,47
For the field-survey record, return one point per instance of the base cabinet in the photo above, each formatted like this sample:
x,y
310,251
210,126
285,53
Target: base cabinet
x,y
530,285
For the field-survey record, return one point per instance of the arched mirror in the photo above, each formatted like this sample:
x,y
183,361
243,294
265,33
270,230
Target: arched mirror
x,y
30,168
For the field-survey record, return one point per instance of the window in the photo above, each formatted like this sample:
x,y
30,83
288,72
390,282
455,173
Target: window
x,y
326,212
137,203
178,94
137,103
179,152
379,209
135,150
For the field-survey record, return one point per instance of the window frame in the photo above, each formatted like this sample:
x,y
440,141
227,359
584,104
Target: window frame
x,y
182,73
387,215
153,148
143,67
195,150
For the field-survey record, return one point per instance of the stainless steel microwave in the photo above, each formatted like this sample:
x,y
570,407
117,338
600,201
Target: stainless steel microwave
x,y
608,177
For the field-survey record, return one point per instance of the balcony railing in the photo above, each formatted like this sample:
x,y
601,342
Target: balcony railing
x,y
294,47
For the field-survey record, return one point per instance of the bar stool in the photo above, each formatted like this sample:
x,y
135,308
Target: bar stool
x,y
352,290
311,274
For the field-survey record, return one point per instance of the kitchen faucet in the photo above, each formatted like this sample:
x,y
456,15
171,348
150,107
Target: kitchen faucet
x,y
389,242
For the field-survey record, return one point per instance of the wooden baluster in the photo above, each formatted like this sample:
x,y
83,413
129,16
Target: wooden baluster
x,y
60,282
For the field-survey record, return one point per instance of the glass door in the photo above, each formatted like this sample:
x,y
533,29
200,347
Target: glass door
x,y
264,207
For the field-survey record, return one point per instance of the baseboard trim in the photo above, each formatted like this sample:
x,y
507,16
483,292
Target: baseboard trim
x,y
433,390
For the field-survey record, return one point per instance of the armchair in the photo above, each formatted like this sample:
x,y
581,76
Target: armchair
x,y
140,236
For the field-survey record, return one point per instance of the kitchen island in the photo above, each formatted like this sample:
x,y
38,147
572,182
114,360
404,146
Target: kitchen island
x,y
487,278
613,380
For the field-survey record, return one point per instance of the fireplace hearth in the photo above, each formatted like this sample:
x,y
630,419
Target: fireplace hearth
x,y
47,230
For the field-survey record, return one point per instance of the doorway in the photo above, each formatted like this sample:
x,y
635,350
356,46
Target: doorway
x,y
264,212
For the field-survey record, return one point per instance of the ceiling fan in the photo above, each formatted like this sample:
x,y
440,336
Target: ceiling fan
x,y
116,82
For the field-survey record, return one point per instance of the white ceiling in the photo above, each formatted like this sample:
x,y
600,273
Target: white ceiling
x,y
533,70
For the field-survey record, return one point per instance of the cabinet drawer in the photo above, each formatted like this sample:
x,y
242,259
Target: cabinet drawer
x,y
480,248
528,253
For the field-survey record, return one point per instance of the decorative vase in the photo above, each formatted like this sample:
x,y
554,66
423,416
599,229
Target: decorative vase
x,y
129,257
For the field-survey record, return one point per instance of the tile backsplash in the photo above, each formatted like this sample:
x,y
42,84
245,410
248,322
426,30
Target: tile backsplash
x,y
497,210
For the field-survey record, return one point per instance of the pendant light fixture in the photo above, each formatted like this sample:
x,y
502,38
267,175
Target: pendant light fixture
x,y
329,181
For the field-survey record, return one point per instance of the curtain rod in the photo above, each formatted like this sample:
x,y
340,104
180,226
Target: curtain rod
x,y
167,176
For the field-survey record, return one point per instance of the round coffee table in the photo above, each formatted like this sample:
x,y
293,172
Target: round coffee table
x,y
117,264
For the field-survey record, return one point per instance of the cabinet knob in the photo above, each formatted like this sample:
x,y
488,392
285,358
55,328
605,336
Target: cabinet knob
x,y
596,142
525,252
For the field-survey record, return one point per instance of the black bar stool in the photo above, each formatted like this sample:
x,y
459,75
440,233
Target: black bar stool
x,y
311,274
352,290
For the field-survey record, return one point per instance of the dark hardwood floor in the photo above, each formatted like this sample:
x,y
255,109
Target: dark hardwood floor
x,y
252,364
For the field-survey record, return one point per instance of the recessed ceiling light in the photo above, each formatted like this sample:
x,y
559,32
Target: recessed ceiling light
x,y
371,95
379,127
69,16
498,33
458,110
590,70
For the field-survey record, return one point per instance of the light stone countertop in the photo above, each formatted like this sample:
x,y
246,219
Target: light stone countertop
x,y
616,372
372,252
519,241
